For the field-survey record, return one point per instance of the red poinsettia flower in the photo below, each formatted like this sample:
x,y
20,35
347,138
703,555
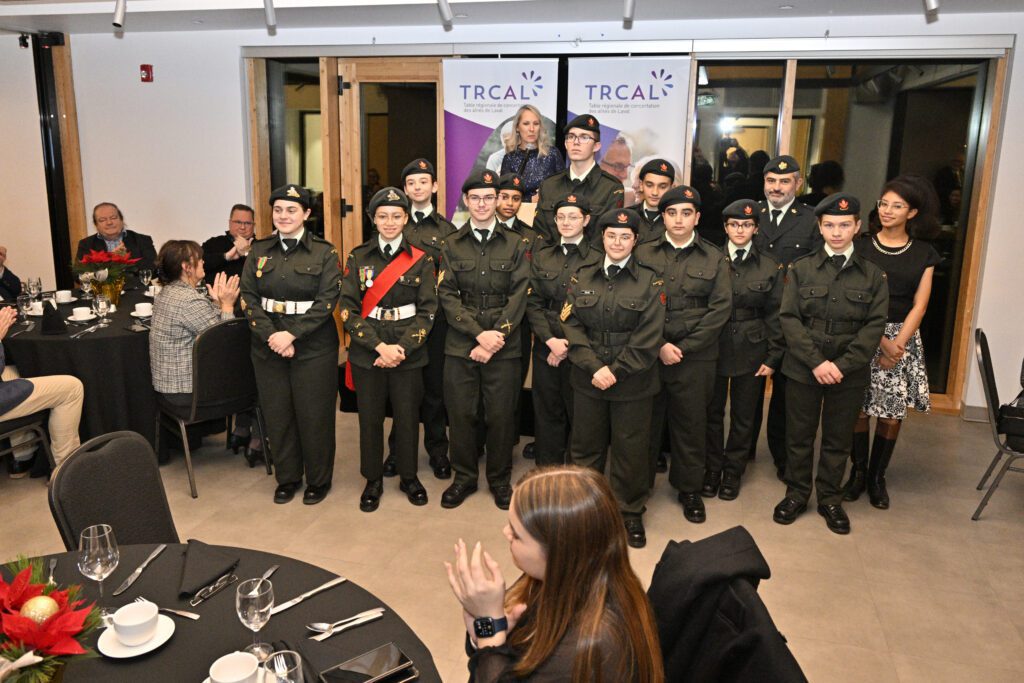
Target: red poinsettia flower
x,y
14,594
56,635
101,257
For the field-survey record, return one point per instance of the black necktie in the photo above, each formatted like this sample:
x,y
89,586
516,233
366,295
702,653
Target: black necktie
x,y
613,270
739,255
387,251
838,260
576,181
651,215
418,216
775,217
571,249
289,244
484,234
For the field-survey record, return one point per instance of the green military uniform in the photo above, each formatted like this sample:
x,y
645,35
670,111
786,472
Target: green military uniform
x,y
652,227
534,240
827,313
482,286
614,321
295,290
751,338
404,316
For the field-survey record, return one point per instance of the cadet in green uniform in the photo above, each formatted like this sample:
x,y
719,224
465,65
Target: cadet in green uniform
x,y
787,230
834,308
289,291
656,178
612,318
482,288
427,230
698,297
750,348
388,301
552,266
584,178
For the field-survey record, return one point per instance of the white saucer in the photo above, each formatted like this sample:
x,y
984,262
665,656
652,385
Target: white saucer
x,y
73,319
261,674
35,315
69,301
110,646
149,296
141,315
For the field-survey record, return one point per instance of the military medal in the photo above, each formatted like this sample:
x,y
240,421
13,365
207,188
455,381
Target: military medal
x,y
369,276
259,265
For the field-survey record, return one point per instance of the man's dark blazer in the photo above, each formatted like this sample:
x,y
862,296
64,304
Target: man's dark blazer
x,y
10,286
138,245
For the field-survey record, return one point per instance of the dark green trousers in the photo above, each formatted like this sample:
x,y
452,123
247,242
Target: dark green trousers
x,y
744,393
686,391
374,388
836,407
299,401
625,427
431,410
467,386
552,409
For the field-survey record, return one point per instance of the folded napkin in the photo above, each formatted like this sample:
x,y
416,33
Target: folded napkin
x,y
53,323
202,566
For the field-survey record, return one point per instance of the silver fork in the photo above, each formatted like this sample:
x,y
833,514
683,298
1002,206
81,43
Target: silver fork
x,y
53,565
344,627
179,612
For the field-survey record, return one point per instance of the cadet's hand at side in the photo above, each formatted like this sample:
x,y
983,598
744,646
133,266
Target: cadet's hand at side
x,y
604,379
279,341
670,354
491,340
828,373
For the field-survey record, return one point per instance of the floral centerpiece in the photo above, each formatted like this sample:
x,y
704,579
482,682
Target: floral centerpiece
x,y
108,270
42,625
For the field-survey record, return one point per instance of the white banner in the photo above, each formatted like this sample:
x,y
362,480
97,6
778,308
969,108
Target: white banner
x,y
640,103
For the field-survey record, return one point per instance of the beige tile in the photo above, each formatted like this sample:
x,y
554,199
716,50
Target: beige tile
x,y
841,663
923,670
912,557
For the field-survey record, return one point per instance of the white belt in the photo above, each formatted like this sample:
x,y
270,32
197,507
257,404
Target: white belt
x,y
400,313
286,307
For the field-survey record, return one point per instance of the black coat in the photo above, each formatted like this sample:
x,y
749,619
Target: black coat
x,y
214,261
138,245
10,286
711,623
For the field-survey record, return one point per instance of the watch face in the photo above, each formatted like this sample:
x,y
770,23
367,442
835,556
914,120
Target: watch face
x,y
484,627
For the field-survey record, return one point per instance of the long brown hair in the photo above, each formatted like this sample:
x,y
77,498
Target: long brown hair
x,y
171,257
589,585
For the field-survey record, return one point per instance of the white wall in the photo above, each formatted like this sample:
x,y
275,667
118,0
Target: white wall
x,y
25,226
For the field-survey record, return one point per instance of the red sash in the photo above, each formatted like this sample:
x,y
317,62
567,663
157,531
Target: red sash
x,y
382,284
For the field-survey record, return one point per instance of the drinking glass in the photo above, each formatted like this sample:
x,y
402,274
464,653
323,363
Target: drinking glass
x,y
101,306
254,599
24,306
283,666
35,286
145,276
86,280
97,553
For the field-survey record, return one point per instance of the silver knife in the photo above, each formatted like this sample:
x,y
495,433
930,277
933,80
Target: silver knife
x,y
294,601
267,574
138,572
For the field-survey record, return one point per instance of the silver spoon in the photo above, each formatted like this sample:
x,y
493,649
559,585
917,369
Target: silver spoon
x,y
324,627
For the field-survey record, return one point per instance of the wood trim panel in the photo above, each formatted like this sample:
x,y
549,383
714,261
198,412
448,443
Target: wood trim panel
x,y
259,144
786,108
329,132
441,166
351,161
71,154
691,117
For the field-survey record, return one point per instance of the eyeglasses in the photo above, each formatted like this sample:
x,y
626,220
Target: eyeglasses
x,y
475,199
895,206
244,224
619,168
583,139
745,225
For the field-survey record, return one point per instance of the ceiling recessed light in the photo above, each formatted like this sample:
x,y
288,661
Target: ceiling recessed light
x,y
786,7
461,15
197,21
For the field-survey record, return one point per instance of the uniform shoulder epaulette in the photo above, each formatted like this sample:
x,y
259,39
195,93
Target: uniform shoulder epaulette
x,y
643,266
609,176
268,238
802,258
771,257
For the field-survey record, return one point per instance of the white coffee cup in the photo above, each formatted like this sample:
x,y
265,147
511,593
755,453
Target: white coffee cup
x,y
81,312
145,309
237,667
135,623
37,308
152,290
63,296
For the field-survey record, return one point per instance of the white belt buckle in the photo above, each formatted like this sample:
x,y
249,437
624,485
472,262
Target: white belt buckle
x,y
280,306
390,314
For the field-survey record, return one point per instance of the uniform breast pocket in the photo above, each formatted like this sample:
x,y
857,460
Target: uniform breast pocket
x,y
627,314
757,334
310,269
462,269
700,279
501,272
859,301
812,300
405,290
545,281
586,309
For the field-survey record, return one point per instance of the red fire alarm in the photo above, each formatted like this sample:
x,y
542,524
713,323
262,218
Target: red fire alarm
x,y
146,73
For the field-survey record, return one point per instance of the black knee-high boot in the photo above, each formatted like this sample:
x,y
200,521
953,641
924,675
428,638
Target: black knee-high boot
x,y
881,453
858,473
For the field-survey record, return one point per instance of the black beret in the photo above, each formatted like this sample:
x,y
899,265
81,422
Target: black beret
x,y
658,167
418,166
511,181
481,180
681,194
620,218
292,193
781,165
742,208
388,196
838,204
580,203
586,122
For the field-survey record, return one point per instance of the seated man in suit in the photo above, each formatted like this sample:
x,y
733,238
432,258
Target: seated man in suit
x,y
10,285
113,235
226,253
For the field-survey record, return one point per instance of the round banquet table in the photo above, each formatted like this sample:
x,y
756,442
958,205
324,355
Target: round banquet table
x,y
195,645
113,364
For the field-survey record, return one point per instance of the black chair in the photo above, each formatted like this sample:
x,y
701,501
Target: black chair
x,y
113,479
35,424
223,384
988,383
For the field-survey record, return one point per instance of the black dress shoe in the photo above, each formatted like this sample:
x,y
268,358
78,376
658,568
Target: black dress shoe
x,y
693,507
502,495
414,491
530,450
390,466
370,500
636,537
236,441
835,518
18,469
788,510
441,466
456,494
314,494
285,492
712,480
662,465
730,486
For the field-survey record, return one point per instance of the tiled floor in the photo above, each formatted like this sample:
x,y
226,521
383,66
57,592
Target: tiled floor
x,y
916,593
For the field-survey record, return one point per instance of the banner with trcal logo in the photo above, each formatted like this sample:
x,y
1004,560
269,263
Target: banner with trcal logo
x,y
640,103
481,98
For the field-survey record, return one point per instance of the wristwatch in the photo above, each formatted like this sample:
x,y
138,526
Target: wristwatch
x,y
486,627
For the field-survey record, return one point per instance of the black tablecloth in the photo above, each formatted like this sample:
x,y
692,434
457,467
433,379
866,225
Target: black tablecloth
x,y
195,645
113,364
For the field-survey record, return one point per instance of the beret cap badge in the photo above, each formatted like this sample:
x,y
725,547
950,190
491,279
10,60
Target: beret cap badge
x,y
688,193
422,164
571,198
783,165
488,178
843,204
663,167
622,218
292,192
748,210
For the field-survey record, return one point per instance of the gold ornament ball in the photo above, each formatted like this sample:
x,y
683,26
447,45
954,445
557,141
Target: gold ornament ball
x,y
39,608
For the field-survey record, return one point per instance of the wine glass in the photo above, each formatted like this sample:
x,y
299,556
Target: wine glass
x,y
97,553
101,306
254,599
24,306
86,280
283,666
35,286
145,276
